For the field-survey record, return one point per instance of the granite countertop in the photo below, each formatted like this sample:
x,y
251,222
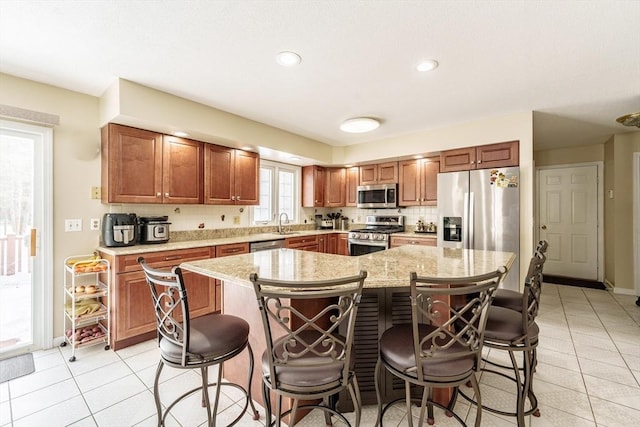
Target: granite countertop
x,y
385,269
190,244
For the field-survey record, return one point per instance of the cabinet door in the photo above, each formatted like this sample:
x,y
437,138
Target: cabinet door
x,y
429,169
201,293
335,187
332,244
322,243
133,312
246,176
343,244
219,169
226,250
131,165
313,186
351,187
498,155
368,174
461,159
409,185
388,173
182,163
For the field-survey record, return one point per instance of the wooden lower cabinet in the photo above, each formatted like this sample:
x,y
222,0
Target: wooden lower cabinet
x,y
413,240
343,244
132,315
303,243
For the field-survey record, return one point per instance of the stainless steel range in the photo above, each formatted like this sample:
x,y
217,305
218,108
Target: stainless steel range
x,y
376,234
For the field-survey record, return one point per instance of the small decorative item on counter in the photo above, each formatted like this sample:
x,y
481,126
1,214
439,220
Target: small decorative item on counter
x,y
430,228
420,224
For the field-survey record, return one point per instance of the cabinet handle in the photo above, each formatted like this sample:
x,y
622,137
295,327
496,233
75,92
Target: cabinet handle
x,y
158,194
479,161
233,197
166,194
233,250
172,258
473,162
237,197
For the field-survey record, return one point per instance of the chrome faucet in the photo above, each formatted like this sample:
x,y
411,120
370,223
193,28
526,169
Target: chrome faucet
x,y
280,229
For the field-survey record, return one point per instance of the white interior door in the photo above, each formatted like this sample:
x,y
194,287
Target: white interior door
x,y
568,213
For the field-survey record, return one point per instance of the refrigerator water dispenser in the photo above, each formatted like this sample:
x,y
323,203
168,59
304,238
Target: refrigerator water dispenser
x,y
452,227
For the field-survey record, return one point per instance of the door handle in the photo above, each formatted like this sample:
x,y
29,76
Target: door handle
x,y
32,242
544,227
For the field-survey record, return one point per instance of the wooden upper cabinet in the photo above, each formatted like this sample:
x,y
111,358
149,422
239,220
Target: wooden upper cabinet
x,y
503,154
140,166
313,186
335,186
182,170
418,182
381,173
230,176
351,187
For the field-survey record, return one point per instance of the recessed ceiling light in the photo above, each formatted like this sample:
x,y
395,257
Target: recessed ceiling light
x,y
427,65
359,125
288,59
180,134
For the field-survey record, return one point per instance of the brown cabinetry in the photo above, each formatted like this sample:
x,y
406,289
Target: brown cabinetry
x,y
335,179
231,177
304,243
132,315
226,250
313,186
351,187
413,240
418,182
140,166
503,154
343,244
381,173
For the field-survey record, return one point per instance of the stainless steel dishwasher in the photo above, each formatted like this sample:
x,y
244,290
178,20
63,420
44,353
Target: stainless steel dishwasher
x,y
266,245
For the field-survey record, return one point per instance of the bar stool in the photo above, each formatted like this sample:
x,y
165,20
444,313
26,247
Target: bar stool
x,y
198,343
441,347
515,331
309,344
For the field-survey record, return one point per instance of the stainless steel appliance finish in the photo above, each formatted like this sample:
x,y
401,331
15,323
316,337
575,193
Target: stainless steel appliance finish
x,y
480,209
119,229
376,234
154,229
378,196
266,245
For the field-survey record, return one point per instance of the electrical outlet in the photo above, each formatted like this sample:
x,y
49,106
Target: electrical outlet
x,y
236,220
72,225
94,223
96,193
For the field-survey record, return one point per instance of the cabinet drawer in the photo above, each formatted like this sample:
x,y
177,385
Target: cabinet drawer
x,y
232,249
128,263
297,242
402,241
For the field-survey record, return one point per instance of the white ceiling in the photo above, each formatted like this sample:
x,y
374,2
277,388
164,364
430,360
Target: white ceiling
x,y
576,64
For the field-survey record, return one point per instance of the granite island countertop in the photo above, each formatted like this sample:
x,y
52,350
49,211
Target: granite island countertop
x,y
389,268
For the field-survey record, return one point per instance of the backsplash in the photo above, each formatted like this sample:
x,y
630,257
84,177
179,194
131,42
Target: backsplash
x,y
227,221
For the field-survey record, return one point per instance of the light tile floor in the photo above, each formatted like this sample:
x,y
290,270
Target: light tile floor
x,y
588,375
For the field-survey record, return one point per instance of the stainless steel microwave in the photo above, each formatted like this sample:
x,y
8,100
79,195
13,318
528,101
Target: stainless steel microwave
x,y
379,196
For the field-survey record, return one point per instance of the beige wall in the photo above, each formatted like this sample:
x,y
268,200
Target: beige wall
x,y
616,154
76,167
620,208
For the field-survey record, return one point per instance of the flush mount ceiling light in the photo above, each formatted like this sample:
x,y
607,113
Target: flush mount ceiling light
x,y
180,134
359,125
288,59
427,65
632,119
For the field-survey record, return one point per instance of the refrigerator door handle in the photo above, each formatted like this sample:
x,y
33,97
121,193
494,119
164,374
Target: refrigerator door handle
x,y
471,219
465,222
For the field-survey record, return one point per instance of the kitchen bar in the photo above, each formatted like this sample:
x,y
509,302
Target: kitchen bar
x,y
388,276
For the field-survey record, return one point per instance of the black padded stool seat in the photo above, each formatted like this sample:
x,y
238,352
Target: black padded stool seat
x,y
505,325
508,299
212,336
396,349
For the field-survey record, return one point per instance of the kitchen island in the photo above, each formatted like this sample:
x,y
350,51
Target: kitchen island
x,y
385,299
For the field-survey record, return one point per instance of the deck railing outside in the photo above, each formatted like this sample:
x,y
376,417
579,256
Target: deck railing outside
x,y
14,254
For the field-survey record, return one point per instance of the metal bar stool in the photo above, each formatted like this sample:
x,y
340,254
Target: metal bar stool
x,y
306,358
515,331
198,343
442,345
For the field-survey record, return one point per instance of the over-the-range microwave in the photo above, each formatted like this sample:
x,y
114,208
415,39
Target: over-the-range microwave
x,y
380,196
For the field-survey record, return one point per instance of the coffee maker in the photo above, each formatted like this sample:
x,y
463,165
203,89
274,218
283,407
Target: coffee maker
x,y
119,229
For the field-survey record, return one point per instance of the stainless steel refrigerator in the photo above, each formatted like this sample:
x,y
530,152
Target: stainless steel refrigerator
x,y
480,209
